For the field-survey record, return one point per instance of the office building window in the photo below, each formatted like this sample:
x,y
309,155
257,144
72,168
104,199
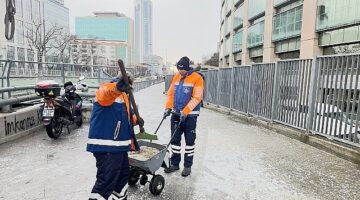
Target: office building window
x,y
30,55
237,41
19,32
289,55
27,10
287,24
19,7
36,10
256,35
282,2
256,52
342,49
238,17
11,53
340,36
288,45
335,13
256,7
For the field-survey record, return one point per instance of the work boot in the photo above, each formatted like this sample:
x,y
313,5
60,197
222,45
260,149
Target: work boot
x,y
171,169
186,172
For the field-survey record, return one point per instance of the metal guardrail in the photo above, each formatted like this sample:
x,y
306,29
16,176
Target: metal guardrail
x,y
16,100
321,95
292,97
241,89
17,73
261,90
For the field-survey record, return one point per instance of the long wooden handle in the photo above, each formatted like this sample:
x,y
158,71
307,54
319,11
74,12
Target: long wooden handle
x,y
131,95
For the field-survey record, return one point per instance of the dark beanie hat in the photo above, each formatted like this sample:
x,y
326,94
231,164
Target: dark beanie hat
x,y
184,64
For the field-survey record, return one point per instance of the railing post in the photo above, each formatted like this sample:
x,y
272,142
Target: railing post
x,y
62,72
231,88
274,103
7,95
99,75
249,90
218,89
312,94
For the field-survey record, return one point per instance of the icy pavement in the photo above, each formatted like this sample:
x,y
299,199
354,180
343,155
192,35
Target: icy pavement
x,y
233,160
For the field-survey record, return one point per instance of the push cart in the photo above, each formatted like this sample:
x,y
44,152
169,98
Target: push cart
x,y
139,170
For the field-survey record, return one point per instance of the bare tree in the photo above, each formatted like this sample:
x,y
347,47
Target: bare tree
x,y
40,37
213,61
62,43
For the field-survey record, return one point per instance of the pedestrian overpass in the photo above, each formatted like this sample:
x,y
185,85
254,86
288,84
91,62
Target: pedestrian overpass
x,y
235,158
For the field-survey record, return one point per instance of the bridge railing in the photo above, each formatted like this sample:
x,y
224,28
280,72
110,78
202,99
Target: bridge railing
x,y
18,78
319,96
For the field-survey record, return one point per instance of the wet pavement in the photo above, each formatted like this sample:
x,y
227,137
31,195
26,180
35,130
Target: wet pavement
x,y
233,160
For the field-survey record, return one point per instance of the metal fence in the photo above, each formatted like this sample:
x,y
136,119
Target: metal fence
x,y
261,89
292,96
224,86
211,86
336,101
318,95
28,73
168,79
240,88
18,78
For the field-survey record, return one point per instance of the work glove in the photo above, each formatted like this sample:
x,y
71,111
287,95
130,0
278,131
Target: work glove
x,y
140,121
182,117
167,113
122,87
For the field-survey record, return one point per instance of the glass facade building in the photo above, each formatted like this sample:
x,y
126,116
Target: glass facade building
x,y
256,7
238,17
237,41
337,13
143,29
28,13
256,35
287,29
108,26
287,24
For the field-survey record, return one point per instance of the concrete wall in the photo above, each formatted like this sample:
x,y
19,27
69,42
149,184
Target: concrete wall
x,y
19,123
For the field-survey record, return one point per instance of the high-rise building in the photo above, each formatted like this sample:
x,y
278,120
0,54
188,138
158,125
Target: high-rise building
x,y
97,52
143,29
269,30
28,13
108,26
18,48
57,16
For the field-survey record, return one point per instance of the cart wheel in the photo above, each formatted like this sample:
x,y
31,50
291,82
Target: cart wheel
x,y
133,177
143,179
157,184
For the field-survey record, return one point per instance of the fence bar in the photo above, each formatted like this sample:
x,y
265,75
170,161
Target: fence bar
x,y
312,94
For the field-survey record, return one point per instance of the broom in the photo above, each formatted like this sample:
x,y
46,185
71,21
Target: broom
x,y
142,135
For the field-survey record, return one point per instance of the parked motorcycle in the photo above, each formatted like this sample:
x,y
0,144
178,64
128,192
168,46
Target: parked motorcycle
x,y
59,111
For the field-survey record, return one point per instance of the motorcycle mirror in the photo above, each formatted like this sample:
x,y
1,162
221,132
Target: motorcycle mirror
x,y
81,78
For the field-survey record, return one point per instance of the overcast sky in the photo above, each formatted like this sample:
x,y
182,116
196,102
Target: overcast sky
x,y
180,27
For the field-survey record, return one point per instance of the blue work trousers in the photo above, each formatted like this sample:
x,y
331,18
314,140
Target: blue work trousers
x,y
188,127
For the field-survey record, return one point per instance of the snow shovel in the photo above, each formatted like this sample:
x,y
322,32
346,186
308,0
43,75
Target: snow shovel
x,y
142,134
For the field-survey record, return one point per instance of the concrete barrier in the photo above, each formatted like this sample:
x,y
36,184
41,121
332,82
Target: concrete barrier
x,y
19,123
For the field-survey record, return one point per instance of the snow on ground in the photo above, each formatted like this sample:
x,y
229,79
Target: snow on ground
x,y
233,160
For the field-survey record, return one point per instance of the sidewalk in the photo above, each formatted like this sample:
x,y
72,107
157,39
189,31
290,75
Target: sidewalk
x,y
233,160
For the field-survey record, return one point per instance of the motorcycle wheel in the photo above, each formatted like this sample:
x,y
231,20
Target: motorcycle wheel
x,y
79,123
54,129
